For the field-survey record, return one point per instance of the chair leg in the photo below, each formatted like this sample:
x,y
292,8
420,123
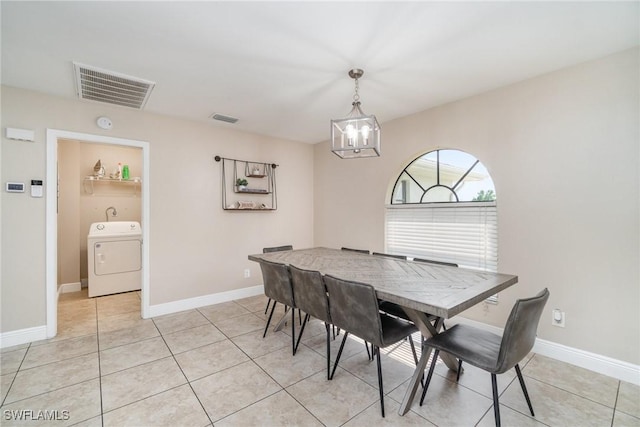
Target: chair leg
x,y
333,371
431,369
369,355
377,351
269,320
326,325
267,307
496,404
304,323
293,331
524,389
459,370
413,350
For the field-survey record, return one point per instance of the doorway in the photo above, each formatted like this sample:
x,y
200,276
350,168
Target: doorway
x,y
54,138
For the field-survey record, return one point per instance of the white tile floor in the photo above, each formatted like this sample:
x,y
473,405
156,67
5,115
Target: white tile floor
x,y
109,367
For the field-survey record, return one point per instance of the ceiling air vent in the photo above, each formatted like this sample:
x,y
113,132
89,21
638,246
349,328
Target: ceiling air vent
x,y
110,87
223,118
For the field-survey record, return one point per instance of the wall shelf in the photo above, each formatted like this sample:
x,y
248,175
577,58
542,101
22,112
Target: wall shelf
x,y
262,182
95,185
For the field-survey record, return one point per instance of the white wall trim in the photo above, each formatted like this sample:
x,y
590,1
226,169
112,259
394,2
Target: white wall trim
x,y
23,336
605,365
69,287
204,300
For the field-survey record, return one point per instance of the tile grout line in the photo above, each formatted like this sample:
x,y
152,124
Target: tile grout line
x,y
615,404
182,371
262,369
15,376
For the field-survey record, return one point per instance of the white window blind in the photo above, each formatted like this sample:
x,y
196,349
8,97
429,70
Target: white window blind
x,y
463,233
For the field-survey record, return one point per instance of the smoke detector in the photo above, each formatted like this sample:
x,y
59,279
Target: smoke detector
x,y
100,85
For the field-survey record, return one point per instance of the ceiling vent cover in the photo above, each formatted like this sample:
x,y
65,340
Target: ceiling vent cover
x,y
100,85
223,118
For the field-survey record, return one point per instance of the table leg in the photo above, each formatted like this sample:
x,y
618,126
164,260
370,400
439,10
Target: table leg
x,y
428,330
282,321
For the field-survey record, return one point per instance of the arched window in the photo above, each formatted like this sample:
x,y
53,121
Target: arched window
x,y
443,207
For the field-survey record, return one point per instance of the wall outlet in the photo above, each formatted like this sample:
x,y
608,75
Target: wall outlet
x,y
557,318
247,273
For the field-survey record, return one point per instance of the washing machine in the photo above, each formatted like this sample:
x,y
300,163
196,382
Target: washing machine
x,y
114,255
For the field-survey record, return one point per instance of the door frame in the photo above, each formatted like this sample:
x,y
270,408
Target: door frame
x,y
53,135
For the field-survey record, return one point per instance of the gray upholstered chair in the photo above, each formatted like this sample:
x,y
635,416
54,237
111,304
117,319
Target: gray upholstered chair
x,y
431,261
311,297
362,251
277,286
275,249
354,308
491,352
389,255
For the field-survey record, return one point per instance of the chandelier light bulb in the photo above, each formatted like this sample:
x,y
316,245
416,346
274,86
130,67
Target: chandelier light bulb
x,y
352,134
365,134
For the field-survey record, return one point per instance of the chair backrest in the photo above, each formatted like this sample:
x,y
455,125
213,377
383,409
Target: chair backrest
x,y
277,249
277,282
354,308
389,255
362,251
520,331
431,261
310,293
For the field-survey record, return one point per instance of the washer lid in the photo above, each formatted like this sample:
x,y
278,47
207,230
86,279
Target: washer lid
x,y
114,228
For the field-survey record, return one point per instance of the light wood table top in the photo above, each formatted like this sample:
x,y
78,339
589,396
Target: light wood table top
x,y
440,290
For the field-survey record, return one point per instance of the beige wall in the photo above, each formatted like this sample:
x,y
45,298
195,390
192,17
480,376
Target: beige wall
x,y
563,151
82,202
195,248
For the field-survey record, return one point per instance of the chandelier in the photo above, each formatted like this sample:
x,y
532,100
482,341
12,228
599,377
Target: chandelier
x,y
357,135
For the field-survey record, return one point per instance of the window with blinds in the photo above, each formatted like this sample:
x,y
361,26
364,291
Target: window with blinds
x,y
465,233
443,208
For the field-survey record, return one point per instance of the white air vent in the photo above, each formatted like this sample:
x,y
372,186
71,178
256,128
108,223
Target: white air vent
x,y
106,86
223,118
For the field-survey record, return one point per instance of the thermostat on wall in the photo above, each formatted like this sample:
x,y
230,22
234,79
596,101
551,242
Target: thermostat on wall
x,y
36,188
15,187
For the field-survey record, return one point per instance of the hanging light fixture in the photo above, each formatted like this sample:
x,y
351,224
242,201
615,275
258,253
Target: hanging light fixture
x,y
357,135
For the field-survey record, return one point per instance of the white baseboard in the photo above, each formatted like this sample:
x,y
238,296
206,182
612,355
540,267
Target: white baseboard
x,y
23,336
605,365
191,303
69,287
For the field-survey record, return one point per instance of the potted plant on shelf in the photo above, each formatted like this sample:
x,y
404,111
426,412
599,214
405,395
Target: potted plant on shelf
x,y
242,183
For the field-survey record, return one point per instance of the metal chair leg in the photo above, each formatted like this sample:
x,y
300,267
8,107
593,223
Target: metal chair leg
x,y
267,307
304,323
459,370
524,389
496,404
326,325
413,350
415,357
369,355
333,371
429,375
293,330
269,320
377,351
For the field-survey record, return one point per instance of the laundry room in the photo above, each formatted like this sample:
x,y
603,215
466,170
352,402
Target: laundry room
x,y
98,184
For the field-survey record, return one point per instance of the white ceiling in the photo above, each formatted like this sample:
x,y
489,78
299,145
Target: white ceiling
x,y
281,67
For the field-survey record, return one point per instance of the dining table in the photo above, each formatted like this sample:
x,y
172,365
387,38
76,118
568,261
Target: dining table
x,y
423,290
